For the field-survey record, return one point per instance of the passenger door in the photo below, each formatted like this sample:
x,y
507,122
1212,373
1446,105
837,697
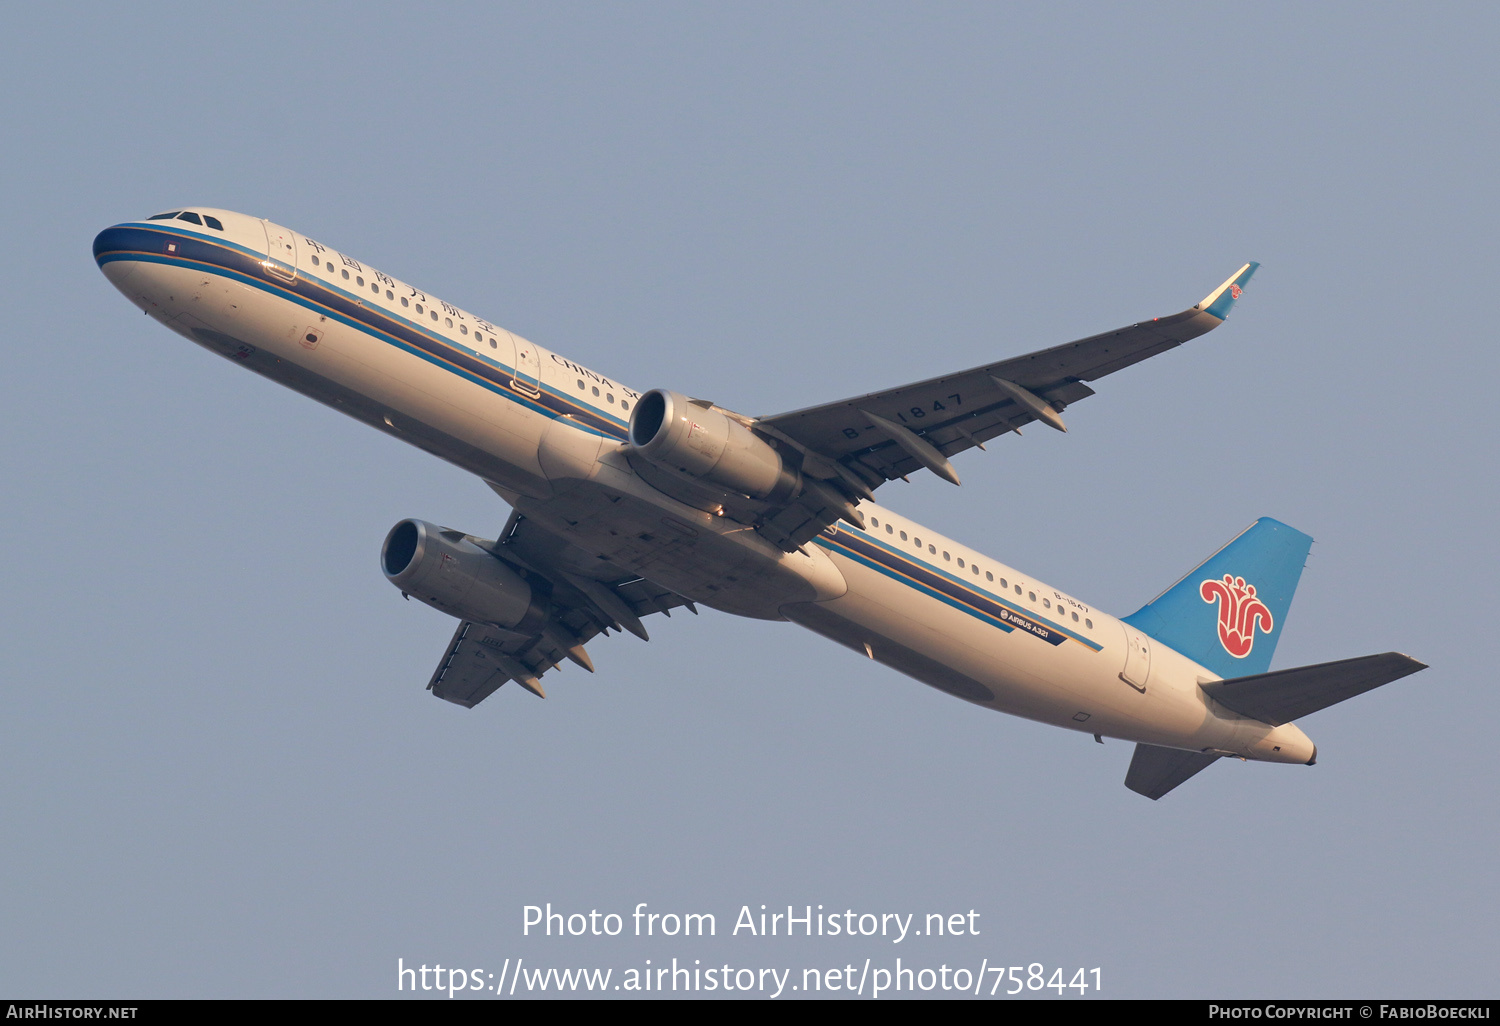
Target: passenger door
x,y
281,251
1137,658
528,366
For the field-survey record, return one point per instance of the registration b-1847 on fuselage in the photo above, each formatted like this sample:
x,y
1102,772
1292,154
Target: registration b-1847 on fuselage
x,y
625,504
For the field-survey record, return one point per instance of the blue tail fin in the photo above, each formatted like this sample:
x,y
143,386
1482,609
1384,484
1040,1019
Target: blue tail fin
x,y
1227,613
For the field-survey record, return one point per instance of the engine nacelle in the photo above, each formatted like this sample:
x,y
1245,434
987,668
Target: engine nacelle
x,y
672,432
449,572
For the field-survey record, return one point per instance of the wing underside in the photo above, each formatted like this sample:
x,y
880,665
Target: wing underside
x,y
481,658
957,411
853,446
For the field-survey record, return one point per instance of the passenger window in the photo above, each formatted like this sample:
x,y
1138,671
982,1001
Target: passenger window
x,y
975,568
1004,583
903,536
463,329
960,563
1046,603
189,217
596,389
918,542
1031,595
947,557
1075,617
1088,623
374,288
609,396
434,314
932,549
213,222
405,302
346,275
988,576
624,405
419,308
889,529
164,217
873,521
447,322
581,385
1018,589
493,344
391,295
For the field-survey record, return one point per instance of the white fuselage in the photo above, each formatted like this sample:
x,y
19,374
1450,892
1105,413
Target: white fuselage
x,y
546,433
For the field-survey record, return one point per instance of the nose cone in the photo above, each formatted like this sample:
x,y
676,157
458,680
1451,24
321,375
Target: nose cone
x,y
112,253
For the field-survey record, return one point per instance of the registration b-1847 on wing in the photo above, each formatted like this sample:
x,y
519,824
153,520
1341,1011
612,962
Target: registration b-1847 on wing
x,y
625,504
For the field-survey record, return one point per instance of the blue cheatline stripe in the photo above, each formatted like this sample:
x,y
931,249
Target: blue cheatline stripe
x,y
147,245
947,588
168,228
899,557
910,582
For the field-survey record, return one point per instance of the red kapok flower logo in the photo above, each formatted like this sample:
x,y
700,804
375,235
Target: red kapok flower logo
x,y
1240,612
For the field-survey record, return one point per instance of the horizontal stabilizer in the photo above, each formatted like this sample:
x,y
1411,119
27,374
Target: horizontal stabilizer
x,y
1287,695
1155,770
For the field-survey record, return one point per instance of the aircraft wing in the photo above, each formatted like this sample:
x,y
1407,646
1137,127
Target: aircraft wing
x,y
481,658
890,434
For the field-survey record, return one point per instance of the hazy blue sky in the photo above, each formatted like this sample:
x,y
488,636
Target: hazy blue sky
x,y
221,775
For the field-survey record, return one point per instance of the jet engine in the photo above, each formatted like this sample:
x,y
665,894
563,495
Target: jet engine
x,y
452,572
673,432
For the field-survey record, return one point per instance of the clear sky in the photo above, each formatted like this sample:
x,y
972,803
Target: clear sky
x,y
221,775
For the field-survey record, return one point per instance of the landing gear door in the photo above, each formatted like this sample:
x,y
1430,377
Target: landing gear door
x,y
1137,659
528,377
281,251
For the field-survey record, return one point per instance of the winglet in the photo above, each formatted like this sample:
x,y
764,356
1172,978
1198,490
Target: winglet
x,y
1218,302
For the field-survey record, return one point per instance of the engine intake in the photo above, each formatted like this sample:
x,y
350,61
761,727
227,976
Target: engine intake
x,y
677,434
451,572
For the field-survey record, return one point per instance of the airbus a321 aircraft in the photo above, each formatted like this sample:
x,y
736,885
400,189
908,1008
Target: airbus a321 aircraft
x,y
626,504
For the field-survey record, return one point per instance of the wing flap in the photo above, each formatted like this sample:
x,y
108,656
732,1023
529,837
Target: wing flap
x,y
1287,695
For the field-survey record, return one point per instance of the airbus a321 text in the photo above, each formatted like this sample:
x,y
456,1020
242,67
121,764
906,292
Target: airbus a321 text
x,y
626,504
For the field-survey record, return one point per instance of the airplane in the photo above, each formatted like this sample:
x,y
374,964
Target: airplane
x,y
626,503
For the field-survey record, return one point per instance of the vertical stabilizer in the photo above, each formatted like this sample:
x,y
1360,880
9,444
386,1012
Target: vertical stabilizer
x,y
1227,613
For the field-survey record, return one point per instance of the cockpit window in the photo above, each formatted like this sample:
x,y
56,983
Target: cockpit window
x,y
164,217
213,222
189,217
